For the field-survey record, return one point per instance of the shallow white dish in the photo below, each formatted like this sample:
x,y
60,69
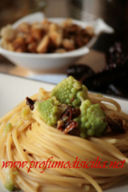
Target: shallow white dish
x,y
14,89
54,60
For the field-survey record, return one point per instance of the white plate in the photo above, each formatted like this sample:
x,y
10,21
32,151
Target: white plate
x,y
14,89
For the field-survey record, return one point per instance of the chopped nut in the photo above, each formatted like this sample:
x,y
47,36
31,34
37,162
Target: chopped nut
x,y
19,44
54,27
32,47
20,50
46,24
7,45
79,42
43,45
24,27
72,31
67,22
29,39
37,34
8,33
56,38
68,44
37,25
45,37
60,50
10,47
90,30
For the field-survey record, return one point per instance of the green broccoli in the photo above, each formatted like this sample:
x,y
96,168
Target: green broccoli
x,y
93,120
10,186
70,92
49,110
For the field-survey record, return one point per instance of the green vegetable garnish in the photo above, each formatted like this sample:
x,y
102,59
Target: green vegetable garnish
x,y
93,119
10,186
70,92
49,110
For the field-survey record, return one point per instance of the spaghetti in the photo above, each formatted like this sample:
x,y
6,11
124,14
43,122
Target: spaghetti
x,y
29,134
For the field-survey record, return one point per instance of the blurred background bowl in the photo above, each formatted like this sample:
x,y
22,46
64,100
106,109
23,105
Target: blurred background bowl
x,y
53,61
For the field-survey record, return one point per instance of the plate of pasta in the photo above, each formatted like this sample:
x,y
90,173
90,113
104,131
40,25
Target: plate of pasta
x,y
61,138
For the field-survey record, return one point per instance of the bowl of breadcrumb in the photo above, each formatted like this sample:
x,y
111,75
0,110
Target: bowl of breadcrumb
x,y
40,43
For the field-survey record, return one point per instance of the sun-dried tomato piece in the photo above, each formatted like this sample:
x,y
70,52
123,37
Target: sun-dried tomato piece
x,y
72,125
30,102
66,123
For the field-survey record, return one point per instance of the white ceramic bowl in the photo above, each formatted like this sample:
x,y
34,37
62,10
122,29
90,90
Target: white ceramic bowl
x,y
53,60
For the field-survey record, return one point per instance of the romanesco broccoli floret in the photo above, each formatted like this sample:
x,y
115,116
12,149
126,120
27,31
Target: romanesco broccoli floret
x,y
49,110
70,92
10,185
93,120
